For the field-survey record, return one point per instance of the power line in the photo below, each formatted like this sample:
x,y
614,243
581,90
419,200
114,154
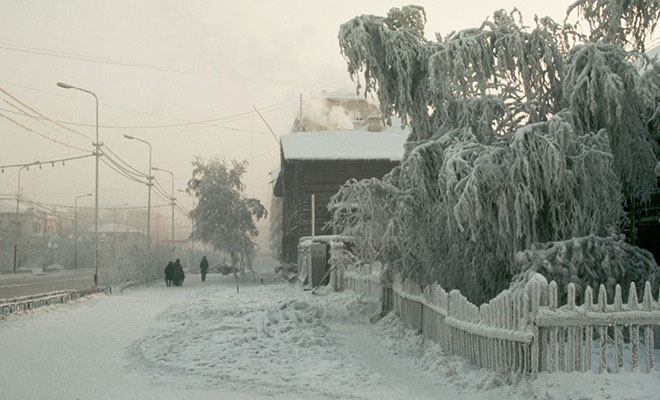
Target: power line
x,y
124,162
41,116
265,109
41,134
135,64
210,122
52,162
120,172
28,200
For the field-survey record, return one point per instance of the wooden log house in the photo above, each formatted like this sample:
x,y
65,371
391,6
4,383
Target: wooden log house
x,y
318,163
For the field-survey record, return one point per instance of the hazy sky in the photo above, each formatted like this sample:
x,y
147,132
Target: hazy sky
x,y
230,55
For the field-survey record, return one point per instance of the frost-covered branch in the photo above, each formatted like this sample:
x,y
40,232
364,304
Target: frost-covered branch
x,y
619,22
589,260
521,135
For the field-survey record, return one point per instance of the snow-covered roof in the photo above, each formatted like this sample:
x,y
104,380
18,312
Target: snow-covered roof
x,y
345,145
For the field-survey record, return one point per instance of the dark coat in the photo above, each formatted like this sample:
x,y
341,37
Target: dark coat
x,y
168,271
178,275
204,264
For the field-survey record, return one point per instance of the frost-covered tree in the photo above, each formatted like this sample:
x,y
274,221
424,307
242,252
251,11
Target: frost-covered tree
x,y
520,135
224,216
589,260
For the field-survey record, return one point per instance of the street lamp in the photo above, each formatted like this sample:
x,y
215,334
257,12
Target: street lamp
x,y
75,216
149,185
97,153
172,199
18,201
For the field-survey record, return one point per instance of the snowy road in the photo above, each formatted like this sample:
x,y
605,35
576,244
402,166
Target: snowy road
x,y
25,284
272,340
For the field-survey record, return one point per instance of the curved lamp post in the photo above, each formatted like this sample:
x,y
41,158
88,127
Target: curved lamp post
x,y
97,153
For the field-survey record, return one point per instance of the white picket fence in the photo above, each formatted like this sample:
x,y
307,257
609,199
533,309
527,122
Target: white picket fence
x,y
526,331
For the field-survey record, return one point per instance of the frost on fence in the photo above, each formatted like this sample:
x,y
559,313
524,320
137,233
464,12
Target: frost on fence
x,y
498,335
525,331
583,337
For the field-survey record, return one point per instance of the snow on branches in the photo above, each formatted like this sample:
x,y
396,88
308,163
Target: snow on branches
x,y
457,211
620,22
588,261
601,90
520,135
225,217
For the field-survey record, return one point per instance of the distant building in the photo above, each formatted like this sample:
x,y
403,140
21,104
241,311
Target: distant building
x,y
31,221
319,162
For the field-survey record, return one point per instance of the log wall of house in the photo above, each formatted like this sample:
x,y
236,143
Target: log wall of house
x,y
323,179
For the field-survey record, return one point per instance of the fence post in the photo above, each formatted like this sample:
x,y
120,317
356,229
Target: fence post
x,y
648,331
602,307
589,330
618,329
535,300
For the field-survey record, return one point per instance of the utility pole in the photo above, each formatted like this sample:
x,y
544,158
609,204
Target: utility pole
x,y
97,152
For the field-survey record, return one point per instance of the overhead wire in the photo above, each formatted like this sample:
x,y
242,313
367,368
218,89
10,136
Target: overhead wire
x,y
46,162
114,162
120,172
23,48
41,116
41,134
228,118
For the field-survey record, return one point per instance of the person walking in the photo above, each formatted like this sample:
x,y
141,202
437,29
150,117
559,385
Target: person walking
x,y
178,275
204,267
168,273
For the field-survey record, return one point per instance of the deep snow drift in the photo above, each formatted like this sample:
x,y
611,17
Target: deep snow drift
x,y
272,338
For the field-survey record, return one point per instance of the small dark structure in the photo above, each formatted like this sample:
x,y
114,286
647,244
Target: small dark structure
x,y
318,163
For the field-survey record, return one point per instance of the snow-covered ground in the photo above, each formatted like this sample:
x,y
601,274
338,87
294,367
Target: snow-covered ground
x,y
271,340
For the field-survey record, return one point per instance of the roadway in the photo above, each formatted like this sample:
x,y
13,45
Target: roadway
x,y
25,284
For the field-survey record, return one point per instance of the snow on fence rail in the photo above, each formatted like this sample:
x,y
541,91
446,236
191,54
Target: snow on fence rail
x,y
16,304
525,331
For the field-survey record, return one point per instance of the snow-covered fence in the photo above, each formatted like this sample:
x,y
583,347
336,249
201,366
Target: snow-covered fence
x,y
577,337
25,303
525,331
366,279
496,335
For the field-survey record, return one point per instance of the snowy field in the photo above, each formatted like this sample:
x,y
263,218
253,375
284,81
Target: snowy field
x,y
272,340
